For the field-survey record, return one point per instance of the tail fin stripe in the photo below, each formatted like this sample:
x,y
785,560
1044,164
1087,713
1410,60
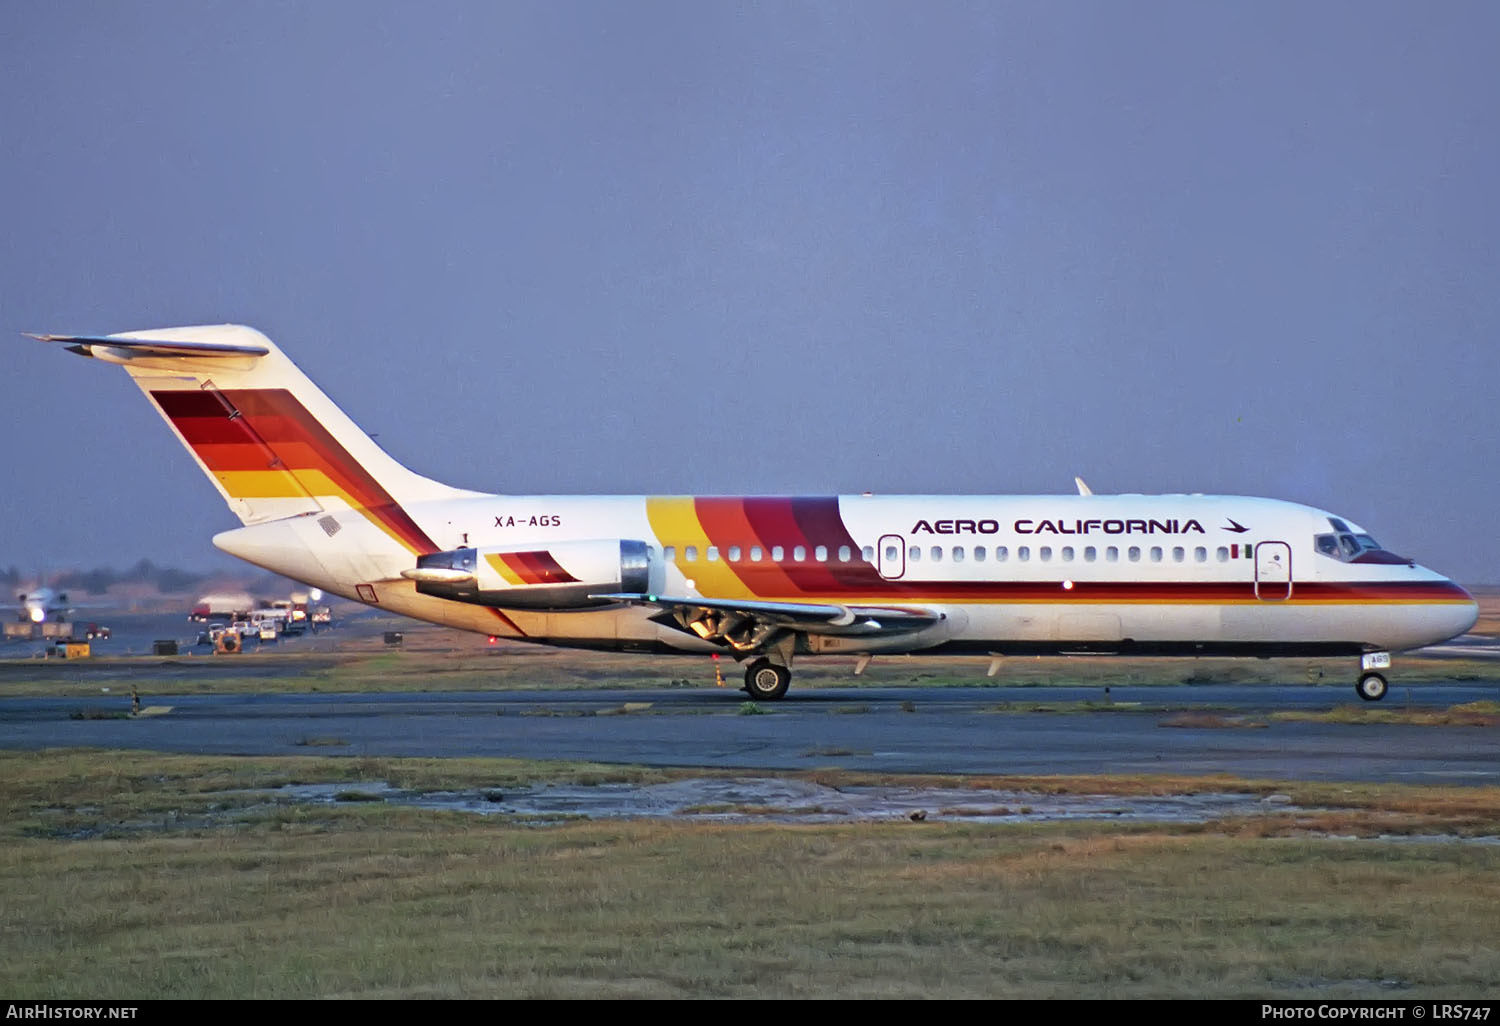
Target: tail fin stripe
x,y
273,420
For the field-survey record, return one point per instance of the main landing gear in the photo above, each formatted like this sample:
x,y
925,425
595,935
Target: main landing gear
x,y
767,681
1372,686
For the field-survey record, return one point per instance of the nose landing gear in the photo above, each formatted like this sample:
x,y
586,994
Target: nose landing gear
x,y
1372,685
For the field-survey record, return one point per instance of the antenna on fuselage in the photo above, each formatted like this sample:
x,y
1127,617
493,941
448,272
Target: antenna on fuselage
x,y
1083,488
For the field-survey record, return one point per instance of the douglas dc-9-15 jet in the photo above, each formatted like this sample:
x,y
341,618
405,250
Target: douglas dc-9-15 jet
x,y
765,579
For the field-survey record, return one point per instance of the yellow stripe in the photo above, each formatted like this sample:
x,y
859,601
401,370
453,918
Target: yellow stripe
x,y
674,521
278,484
502,568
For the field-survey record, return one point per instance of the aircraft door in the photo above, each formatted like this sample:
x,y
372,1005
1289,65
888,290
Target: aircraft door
x,y
1273,571
890,556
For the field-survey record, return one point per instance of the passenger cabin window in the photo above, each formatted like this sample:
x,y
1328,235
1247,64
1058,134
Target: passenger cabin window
x,y
734,553
868,554
937,553
1001,553
777,553
1067,553
1156,553
1045,553
1023,552
844,553
1090,554
755,553
1178,554
915,555
1223,554
892,553
713,553
1200,554
690,553
669,553
979,553
799,554
821,553
1135,553
958,553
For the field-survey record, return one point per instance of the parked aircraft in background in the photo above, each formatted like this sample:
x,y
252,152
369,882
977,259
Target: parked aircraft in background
x,y
765,579
42,605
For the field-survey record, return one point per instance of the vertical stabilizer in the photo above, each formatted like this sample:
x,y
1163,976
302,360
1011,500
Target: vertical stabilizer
x,y
270,440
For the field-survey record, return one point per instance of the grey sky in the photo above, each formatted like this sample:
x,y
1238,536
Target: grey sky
x,y
701,247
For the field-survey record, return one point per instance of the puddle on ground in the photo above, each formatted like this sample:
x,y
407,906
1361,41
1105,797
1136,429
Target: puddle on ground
x,y
748,800
752,799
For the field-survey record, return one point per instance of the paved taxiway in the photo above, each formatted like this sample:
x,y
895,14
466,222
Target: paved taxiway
x,y
906,730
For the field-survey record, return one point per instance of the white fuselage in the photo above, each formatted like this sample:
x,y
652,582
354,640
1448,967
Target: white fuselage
x,y
1174,574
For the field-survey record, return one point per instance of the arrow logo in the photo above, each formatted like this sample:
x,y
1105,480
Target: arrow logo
x,y
1235,526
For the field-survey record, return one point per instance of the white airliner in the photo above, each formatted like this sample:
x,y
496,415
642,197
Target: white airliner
x,y
766,578
42,605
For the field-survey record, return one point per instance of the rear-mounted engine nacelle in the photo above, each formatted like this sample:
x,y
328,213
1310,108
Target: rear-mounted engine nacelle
x,y
559,575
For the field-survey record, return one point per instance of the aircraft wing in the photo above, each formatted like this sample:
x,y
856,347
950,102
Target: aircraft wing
x,y
728,618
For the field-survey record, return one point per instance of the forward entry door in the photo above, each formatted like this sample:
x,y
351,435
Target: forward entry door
x,y
1273,571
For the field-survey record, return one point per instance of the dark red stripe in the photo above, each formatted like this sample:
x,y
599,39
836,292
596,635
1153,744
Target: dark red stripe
x,y
273,419
1164,591
541,568
822,523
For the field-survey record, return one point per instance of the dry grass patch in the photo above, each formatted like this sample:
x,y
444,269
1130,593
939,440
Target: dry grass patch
x,y
1468,714
408,905
1208,720
370,900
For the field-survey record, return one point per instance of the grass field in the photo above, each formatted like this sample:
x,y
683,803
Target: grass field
x,y
138,875
120,881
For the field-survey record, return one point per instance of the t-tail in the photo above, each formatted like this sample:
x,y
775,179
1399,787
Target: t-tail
x,y
272,443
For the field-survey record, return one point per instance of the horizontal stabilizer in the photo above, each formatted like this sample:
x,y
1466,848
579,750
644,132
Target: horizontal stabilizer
x,y
83,345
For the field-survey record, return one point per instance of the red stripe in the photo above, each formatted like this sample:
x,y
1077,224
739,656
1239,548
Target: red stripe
x,y
725,522
274,419
776,522
518,565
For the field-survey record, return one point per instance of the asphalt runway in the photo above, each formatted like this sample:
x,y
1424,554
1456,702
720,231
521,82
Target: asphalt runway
x,y
959,730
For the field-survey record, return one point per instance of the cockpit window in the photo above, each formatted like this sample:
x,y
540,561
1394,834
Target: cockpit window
x,y
1345,546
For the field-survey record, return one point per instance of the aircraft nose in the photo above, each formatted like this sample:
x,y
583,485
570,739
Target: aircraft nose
x,y
1459,615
